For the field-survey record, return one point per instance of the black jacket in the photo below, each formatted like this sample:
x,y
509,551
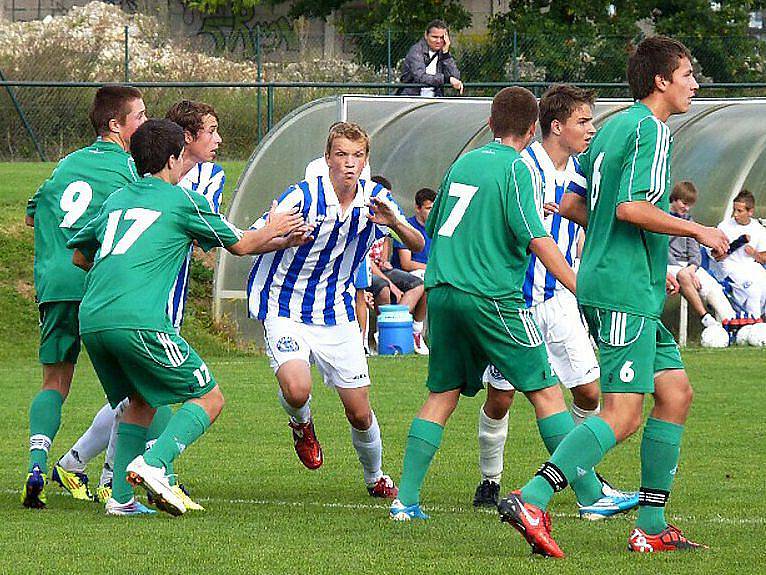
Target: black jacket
x,y
414,70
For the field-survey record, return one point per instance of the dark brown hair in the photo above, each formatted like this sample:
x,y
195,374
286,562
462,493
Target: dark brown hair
x,y
745,197
111,102
424,195
559,102
514,110
655,56
190,115
685,191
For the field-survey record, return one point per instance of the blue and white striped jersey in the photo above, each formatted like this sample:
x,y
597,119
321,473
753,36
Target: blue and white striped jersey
x,y
313,283
207,179
540,285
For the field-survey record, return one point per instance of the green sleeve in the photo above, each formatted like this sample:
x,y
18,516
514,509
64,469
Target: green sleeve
x,y
211,230
87,239
646,168
521,210
32,202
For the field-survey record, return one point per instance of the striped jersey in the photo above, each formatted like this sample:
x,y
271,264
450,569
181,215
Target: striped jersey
x,y
539,284
313,283
207,179
623,267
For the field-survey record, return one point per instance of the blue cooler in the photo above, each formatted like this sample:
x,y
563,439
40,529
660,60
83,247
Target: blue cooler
x,y
395,330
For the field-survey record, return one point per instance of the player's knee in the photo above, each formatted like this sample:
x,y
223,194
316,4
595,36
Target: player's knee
x,y
497,403
586,396
359,418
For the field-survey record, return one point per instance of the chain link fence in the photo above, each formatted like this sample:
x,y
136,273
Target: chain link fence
x,y
262,75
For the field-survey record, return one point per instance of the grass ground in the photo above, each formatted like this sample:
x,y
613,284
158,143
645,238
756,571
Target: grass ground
x,y
267,514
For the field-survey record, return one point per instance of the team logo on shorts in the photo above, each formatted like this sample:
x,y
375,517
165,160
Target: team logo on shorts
x,y
287,344
495,373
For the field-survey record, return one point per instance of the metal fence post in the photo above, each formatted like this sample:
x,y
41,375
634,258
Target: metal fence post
x,y
388,57
515,58
269,106
258,68
24,120
127,60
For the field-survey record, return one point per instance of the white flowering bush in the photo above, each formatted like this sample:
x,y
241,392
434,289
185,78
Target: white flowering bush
x,y
88,45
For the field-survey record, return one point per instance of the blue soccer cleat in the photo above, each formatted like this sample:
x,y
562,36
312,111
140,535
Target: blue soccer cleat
x,y
613,502
400,512
132,507
33,493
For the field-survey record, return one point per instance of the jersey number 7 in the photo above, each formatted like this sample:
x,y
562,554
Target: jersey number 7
x,y
464,194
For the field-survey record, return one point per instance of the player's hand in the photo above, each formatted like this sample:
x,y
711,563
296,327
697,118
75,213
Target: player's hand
x,y
696,282
715,239
382,212
299,236
385,266
550,208
671,285
751,251
395,291
457,84
369,299
282,223
447,42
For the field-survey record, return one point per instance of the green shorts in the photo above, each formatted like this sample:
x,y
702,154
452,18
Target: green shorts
x,y
59,332
467,332
632,349
160,367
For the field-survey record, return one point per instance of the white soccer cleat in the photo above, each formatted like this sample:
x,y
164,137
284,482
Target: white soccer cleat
x,y
420,344
156,483
132,507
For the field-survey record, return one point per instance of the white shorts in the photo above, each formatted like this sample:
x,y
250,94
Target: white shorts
x,y
336,350
566,341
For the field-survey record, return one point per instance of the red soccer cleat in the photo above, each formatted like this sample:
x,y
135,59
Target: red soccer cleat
x,y
385,488
669,539
306,444
532,522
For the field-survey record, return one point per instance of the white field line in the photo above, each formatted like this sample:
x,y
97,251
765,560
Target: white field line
x,y
716,519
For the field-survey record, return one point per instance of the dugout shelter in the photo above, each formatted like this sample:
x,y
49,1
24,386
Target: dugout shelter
x,y
718,144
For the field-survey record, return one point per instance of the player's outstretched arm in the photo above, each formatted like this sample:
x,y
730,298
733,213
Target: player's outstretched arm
x,y
282,230
386,216
648,217
548,252
574,208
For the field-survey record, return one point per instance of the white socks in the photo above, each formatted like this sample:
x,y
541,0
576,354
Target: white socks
x,y
579,414
369,449
91,443
417,327
492,435
299,414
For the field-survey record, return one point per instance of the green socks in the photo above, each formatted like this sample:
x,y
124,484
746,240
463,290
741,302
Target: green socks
x,y
44,422
553,429
185,427
574,457
161,419
131,442
660,449
423,442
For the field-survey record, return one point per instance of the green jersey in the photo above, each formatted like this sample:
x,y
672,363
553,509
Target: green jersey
x,y
623,267
139,239
488,209
63,204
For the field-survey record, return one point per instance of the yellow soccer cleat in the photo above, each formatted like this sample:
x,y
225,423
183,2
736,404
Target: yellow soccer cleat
x,y
104,493
73,481
190,504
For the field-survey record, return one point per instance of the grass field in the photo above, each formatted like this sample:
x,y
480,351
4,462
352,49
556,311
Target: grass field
x,y
267,514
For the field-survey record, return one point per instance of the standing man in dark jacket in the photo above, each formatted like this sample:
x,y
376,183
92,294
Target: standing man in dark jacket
x,y
429,62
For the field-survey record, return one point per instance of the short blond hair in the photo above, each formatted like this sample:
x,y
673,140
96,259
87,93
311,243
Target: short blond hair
x,y
350,131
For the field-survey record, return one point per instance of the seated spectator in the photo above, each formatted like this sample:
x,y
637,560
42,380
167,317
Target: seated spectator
x,y
403,287
428,61
747,254
403,258
684,263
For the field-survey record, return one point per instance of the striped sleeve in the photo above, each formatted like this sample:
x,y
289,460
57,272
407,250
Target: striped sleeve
x,y
646,168
381,193
576,178
523,203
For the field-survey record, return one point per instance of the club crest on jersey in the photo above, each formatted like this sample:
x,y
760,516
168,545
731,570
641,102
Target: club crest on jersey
x,y
287,344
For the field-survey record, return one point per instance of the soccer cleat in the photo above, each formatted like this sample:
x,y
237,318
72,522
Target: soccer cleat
x,y
190,504
669,539
307,445
156,483
103,492
420,344
384,488
532,522
33,493
132,507
487,494
73,481
613,502
399,512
